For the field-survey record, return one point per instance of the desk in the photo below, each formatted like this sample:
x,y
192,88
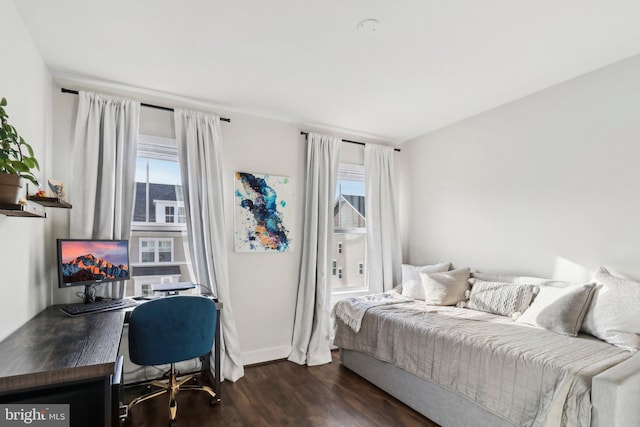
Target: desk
x,y
54,358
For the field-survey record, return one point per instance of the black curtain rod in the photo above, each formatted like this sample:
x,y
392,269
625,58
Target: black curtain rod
x,y
157,107
350,142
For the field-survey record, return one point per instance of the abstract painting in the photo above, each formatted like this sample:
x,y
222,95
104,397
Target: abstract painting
x,y
262,205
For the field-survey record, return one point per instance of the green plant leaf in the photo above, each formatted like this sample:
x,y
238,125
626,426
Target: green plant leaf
x,y
30,177
29,162
13,149
28,147
9,169
19,166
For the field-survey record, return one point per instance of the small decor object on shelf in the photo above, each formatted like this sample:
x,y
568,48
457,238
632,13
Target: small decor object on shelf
x,y
262,205
16,160
57,189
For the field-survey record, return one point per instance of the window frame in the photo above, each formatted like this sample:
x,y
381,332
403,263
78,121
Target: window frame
x,y
169,215
159,148
350,172
150,224
156,250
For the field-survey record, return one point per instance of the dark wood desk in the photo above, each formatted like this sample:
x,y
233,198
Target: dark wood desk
x,y
54,358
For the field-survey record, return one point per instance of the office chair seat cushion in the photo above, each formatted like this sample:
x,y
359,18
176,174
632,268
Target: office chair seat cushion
x,y
171,329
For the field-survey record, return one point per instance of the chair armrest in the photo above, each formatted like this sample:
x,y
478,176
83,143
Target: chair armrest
x,y
615,393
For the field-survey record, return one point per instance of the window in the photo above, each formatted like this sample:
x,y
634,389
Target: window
x,y
165,250
158,229
349,229
158,182
165,211
169,214
334,267
156,250
147,251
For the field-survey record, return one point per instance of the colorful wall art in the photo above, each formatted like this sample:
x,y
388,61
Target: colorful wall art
x,y
262,205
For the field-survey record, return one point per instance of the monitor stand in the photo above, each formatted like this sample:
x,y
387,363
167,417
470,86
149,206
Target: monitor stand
x,y
89,296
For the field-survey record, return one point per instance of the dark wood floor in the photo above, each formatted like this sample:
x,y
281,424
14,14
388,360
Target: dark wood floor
x,y
282,393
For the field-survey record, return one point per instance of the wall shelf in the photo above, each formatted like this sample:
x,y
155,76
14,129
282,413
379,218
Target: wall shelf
x,y
20,210
29,212
50,202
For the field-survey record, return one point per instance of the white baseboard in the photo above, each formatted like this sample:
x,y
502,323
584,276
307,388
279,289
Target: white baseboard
x,y
265,355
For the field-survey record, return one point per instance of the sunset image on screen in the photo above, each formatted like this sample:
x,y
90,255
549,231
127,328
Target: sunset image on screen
x,y
114,252
84,261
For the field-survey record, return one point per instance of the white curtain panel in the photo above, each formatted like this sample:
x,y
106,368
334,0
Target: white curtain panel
x,y
201,164
384,256
310,344
103,171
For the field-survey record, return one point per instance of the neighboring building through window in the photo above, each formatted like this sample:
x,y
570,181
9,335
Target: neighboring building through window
x,y
165,210
349,229
156,250
158,230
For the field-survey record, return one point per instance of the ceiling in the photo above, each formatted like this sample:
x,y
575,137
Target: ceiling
x,y
429,63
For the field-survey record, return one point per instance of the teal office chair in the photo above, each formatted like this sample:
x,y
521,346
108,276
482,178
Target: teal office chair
x,y
170,330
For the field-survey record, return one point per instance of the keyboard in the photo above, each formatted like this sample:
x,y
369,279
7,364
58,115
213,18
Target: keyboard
x,y
98,306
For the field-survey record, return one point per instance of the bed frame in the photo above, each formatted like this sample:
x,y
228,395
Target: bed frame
x,y
614,394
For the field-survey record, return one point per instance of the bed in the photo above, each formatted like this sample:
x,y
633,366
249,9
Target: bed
x,y
462,367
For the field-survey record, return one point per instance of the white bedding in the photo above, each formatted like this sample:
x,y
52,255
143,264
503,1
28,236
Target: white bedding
x,y
527,375
352,310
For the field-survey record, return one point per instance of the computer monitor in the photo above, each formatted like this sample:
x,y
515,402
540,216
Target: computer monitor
x,y
90,262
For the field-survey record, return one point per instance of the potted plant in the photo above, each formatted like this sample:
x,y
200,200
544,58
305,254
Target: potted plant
x,y
16,160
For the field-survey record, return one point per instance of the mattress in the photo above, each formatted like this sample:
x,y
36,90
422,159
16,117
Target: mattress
x,y
527,375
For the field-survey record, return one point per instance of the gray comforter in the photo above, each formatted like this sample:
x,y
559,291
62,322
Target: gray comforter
x,y
527,375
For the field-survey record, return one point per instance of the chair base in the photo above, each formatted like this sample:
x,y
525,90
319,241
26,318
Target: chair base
x,y
171,387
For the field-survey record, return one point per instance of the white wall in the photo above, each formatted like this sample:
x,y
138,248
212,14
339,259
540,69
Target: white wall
x,y
537,184
24,257
263,286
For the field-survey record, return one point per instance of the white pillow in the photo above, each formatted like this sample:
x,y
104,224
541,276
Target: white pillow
x,y
445,288
614,315
559,309
411,273
510,278
413,289
505,299
494,277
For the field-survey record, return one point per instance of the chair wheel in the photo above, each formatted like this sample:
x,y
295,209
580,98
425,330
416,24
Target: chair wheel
x,y
173,423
